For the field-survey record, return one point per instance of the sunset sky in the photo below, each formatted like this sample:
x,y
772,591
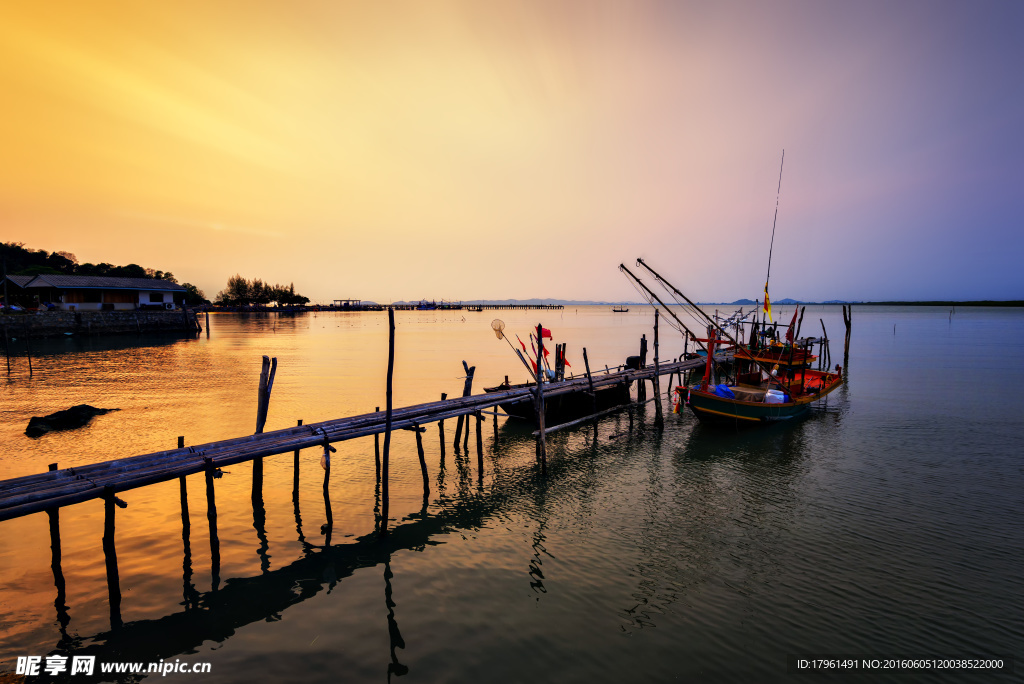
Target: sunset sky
x,y
494,149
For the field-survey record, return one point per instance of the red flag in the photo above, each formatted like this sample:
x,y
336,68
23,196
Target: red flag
x,y
544,332
547,352
789,332
566,362
534,364
521,343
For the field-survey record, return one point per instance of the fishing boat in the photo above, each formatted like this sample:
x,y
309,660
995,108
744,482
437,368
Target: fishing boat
x,y
767,384
619,309
474,308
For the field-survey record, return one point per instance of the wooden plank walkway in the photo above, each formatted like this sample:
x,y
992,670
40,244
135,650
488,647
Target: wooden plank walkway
x,y
53,489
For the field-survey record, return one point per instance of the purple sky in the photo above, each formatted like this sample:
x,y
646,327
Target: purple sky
x,y
524,149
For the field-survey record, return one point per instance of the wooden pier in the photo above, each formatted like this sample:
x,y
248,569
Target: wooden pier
x,y
63,487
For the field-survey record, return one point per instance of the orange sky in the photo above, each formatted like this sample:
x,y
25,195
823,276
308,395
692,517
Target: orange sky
x,y
518,149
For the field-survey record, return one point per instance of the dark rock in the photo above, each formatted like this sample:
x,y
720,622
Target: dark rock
x,y
74,417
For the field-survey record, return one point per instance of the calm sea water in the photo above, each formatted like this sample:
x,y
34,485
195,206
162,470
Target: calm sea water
x,y
891,521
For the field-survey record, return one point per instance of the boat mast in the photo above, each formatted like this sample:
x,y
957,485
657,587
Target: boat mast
x,y
767,302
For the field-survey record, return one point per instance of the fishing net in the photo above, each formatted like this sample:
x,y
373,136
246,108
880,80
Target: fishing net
x,y
497,325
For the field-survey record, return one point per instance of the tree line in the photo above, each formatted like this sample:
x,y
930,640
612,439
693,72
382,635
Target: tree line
x,y
243,292
19,260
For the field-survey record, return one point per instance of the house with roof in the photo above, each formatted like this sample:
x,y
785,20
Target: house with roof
x,y
93,293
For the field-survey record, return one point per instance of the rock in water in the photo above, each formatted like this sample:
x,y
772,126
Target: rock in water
x,y
74,417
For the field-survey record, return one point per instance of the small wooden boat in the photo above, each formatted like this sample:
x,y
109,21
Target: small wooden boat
x,y
619,309
474,308
563,407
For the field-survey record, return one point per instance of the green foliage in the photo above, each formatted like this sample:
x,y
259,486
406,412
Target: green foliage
x,y
193,295
243,292
23,261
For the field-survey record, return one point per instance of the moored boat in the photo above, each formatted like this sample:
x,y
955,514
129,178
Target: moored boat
x,y
561,408
754,394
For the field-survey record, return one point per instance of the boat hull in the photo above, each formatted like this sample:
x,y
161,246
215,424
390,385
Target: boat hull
x,y
563,407
711,408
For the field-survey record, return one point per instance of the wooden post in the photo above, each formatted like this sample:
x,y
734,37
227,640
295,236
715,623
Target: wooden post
x,y
263,394
55,565
641,388
479,446
207,325
423,460
295,470
542,445
376,448
7,346
658,418
440,428
824,358
211,516
848,320
590,385
183,489
328,527
467,389
262,405
387,424
110,555
28,348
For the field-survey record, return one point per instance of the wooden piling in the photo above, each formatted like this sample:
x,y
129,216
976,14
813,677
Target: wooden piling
x,y
211,516
110,556
825,358
656,380
376,448
440,429
542,445
262,406
479,445
387,424
60,602
295,470
28,349
641,388
207,325
328,527
467,389
848,321
800,324
183,490
423,460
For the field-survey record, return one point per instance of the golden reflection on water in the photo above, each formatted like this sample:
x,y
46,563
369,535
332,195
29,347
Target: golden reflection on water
x,y
329,365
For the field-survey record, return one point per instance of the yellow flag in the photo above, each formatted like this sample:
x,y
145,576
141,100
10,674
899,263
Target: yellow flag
x,y
767,304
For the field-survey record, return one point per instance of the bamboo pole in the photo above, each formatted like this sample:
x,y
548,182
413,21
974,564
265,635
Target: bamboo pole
x,y
387,424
